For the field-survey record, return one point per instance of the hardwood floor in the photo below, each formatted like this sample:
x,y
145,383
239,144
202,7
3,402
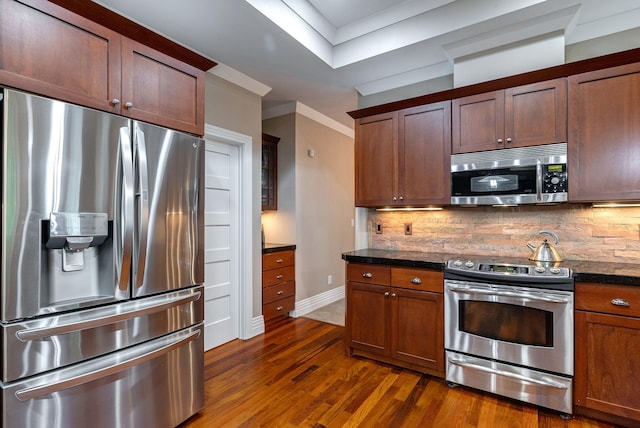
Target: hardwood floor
x,y
297,375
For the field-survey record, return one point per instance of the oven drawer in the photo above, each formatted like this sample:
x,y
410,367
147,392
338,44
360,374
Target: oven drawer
x,y
417,279
531,386
610,299
369,274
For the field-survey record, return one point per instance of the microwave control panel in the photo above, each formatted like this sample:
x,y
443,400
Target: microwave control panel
x,y
554,178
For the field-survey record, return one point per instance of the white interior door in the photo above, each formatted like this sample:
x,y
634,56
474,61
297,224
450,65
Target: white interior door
x,y
222,219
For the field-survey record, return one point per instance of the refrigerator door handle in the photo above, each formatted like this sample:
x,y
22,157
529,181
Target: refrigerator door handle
x,y
123,266
70,327
143,213
70,382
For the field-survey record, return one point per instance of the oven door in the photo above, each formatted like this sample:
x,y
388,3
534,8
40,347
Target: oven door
x,y
525,326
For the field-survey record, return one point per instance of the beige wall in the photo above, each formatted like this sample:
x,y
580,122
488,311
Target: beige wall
x,y
585,233
231,107
315,200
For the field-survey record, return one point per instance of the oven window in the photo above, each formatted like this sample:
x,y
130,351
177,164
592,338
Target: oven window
x,y
508,323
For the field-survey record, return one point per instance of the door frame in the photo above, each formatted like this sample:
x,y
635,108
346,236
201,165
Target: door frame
x,y
247,325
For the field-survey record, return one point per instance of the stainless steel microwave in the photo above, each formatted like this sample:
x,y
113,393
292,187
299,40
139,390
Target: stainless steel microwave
x,y
527,175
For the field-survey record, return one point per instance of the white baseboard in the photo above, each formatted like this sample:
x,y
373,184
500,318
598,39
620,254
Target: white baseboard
x,y
256,328
319,300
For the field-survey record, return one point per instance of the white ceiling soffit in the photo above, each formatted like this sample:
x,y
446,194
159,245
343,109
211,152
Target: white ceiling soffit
x,y
337,32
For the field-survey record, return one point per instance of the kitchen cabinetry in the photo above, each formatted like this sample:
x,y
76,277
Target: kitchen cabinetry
x,y
604,132
269,172
402,158
607,349
278,283
395,315
527,115
50,51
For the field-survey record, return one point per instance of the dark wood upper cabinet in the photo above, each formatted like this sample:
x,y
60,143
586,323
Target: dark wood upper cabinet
x,y
269,172
604,135
402,158
48,50
527,115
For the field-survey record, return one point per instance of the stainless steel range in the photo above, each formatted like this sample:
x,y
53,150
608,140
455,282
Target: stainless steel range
x,y
509,330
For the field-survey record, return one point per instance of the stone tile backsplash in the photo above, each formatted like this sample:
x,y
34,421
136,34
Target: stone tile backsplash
x,y
585,233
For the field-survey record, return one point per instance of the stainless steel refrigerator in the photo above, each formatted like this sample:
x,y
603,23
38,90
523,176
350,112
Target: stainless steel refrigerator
x,y
102,268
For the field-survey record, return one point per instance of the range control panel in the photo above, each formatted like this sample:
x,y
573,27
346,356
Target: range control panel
x,y
490,269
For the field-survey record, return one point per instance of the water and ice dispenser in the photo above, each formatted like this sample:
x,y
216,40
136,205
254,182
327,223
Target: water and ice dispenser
x,y
76,256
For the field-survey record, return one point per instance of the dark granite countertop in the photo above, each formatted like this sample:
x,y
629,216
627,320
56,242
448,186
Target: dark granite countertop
x,y
583,271
275,248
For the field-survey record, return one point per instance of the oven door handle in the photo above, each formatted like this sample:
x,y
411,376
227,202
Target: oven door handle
x,y
541,382
505,293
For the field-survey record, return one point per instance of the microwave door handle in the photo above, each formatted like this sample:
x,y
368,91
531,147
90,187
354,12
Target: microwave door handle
x,y
123,266
143,213
539,180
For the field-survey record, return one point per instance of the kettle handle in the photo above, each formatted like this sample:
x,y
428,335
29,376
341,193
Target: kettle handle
x,y
550,233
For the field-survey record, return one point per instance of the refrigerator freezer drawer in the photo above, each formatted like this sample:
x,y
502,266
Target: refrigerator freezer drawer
x,y
159,383
47,343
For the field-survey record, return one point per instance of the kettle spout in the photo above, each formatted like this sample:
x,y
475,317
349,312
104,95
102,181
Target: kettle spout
x,y
531,247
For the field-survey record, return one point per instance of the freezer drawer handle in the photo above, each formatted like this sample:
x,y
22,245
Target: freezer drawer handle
x,y
541,382
45,332
38,391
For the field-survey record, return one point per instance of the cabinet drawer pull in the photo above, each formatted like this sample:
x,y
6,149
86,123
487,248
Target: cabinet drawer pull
x,y
278,276
416,280
279,261
280,292
367,275
619,302
279,308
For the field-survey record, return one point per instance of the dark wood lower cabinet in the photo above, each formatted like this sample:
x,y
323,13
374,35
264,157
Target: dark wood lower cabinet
x,y
607,351
393,324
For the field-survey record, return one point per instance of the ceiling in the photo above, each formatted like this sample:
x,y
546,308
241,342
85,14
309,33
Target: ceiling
x,y
323,53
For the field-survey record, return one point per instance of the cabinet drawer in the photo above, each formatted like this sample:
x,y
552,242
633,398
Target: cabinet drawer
x,y
370,274
279,307
417,279
278,276
277,260
276,292
606,298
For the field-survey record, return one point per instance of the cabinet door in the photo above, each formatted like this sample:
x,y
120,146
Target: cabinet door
x,y
417,331
159,89
478,122
376,160
604,135
536,114
50,51
607,370
367,317
424,147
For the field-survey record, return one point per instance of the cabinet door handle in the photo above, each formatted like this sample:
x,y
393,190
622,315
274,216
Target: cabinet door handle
x,y
402,198
416,280
367,275
386,293
619,302
395,199
508,140
115,101
499,140
279,261
128,105
278,276
393,294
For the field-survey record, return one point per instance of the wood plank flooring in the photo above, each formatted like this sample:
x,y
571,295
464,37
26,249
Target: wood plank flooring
x,y
297,375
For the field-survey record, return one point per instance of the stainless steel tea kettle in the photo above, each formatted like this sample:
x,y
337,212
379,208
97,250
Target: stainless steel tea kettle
x,y
545,251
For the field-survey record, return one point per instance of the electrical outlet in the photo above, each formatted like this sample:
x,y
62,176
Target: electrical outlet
x,y
379,228
408,228
329,279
